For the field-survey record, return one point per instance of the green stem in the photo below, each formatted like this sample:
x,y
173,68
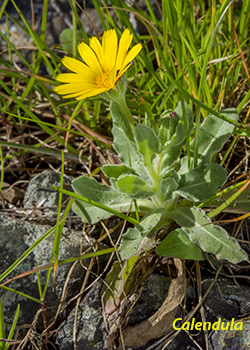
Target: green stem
x,y
227,202
121,100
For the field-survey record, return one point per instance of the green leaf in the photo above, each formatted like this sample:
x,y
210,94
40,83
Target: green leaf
x,y
66,39
178,245
213,134
203,182
108,196
173,147
168,123
91,189
128,153
135,239
168,186
114,293
148,143
120,120
114,170
134,186
209,237
5,345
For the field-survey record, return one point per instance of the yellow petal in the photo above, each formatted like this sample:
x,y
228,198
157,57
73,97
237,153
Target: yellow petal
x,y
90,93
112,76
75,78
74,65
124,44
132,54
109,47
97,48
121,72
79,93
73,87
89,58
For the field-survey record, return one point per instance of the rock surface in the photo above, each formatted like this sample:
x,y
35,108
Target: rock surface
x,y
91,331
40,194
231,340
16,237
226,301
156,290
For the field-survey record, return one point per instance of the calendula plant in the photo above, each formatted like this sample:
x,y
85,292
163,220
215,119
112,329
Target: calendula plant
x,y
160,180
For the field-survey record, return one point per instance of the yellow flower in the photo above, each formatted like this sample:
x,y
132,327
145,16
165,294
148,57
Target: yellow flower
x,y
104,65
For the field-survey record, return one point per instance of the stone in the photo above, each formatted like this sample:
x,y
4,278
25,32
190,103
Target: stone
x,y
26,10
155,289
91,332
91,22
40,194
226,299
16,237
231,340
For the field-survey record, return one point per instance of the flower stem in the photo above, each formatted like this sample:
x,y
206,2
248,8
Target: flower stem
x,y
126,110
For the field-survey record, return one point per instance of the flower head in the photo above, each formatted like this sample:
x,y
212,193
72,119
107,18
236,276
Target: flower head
x,y
104,65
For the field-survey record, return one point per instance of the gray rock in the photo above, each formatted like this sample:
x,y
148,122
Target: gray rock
x,y
91,332
226,299
26,10
91,22
16,237
156,290
231,340
40,194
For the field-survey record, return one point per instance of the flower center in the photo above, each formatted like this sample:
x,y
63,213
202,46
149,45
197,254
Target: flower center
x,y
103,81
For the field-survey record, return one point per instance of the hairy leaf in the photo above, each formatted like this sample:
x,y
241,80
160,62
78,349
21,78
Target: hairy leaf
x,y
119,284
116,170
203,182
104,195
209,237
168,123
128,153
136,240
168,186
134,186
66,39
213,134
173,147
178,245
148,143
120,120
